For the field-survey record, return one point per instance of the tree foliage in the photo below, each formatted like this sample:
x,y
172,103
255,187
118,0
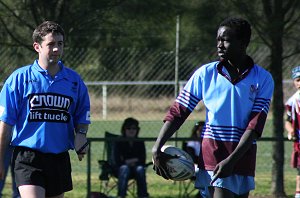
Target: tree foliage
x,y
92,22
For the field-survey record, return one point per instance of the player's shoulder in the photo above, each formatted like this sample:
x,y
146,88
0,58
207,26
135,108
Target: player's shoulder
x,y
262,73
259,69
71,74
207,68
20,72
291,99
22,69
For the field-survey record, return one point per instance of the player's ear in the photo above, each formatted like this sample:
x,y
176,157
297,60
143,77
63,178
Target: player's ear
x,y
36,46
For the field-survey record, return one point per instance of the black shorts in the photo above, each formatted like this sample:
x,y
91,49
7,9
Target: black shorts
x,y
50,171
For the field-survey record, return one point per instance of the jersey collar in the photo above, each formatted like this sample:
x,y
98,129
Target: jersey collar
x,y
61,73
221,70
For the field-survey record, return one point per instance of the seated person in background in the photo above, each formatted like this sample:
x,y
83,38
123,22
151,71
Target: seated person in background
x,y
130,157
193,146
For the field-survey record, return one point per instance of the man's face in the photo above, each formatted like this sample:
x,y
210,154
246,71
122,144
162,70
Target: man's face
x,y
228,46
297,83
51,48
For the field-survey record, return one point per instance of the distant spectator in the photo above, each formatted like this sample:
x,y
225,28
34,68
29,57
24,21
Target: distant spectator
x,y
292,125
130,158
193,146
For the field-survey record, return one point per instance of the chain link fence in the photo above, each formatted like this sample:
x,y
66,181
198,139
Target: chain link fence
x,y
129,82
134,82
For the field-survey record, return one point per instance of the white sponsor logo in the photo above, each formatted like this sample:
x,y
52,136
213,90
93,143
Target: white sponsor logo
x,y
49,107
88,116
50,101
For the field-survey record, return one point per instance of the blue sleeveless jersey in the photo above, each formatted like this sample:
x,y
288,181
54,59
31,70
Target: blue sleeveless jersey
x,y
44,110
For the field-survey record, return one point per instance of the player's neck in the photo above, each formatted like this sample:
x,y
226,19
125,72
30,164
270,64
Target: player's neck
x,y
52,68
238,64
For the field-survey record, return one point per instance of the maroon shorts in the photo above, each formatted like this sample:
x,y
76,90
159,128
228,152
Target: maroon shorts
x,y
295,157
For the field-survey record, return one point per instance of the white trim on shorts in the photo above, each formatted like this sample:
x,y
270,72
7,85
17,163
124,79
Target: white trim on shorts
x,y
238,184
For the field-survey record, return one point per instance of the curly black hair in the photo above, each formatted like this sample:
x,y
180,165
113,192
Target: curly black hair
x,y
241,26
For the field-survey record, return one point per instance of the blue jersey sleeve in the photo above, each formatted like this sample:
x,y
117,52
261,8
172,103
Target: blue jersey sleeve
x,y
264,94
82,113
9,103
192,92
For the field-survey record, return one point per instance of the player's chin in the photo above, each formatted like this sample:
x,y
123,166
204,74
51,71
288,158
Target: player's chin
x,y
54,59
222,55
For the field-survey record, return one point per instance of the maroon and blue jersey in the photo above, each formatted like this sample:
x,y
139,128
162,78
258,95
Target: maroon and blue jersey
x,y
292,106
44,110
232,107
293,116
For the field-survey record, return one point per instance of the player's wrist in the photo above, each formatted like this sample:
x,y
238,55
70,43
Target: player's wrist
x,y
81,131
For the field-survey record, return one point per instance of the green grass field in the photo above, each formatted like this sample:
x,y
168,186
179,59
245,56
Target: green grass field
x,y
158,187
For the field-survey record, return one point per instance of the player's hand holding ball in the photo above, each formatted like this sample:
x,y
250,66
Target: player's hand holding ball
x,y
173,163
81,145
159,160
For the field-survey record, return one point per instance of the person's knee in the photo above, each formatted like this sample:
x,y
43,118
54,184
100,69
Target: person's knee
x,y
124,169
140,169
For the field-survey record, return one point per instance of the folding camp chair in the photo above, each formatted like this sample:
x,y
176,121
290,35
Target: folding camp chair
x,y
108,177
187,188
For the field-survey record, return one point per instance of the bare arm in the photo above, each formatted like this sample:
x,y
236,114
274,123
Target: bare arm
x,y
225,167
159,158
290,130
165,133
5,137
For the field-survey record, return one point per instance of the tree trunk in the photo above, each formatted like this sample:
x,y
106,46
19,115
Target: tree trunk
x,y
277,185
276,34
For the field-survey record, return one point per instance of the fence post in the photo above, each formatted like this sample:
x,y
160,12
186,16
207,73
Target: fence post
x,y
177,54
89,171
104,101
177,61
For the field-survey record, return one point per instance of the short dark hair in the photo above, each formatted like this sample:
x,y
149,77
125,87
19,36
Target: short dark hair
x,y
128,122
241,26
45,28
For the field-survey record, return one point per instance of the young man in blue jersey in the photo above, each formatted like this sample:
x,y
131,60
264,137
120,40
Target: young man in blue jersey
x,y
44,111
236,93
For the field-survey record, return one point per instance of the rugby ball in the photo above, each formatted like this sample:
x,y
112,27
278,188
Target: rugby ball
x,y
180,168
